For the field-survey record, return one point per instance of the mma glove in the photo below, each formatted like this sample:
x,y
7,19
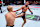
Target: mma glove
x,y
31,12
14,11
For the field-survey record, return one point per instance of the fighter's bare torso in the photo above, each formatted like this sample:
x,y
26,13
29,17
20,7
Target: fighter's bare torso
x,y
10,17
24,8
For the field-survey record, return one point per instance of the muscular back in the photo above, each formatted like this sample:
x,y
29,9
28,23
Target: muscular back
x,y
10,17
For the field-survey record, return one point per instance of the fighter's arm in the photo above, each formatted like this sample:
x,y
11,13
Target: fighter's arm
x,y
30,10
19,8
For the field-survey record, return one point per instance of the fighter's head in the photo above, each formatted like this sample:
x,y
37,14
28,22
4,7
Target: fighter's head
x,y
27,3
9,8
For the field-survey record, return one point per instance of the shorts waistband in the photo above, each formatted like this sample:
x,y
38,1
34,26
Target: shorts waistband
x,y
22,12
9,25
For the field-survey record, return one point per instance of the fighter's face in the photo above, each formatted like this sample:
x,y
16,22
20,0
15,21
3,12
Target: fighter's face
x,y
27,3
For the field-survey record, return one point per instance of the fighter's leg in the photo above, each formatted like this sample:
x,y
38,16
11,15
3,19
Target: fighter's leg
x,y
21,14
24,22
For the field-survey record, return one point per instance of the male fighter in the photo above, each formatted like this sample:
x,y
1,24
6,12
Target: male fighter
x,y
10,17
24,9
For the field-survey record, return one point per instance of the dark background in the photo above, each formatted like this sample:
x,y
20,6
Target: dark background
x,y
21,2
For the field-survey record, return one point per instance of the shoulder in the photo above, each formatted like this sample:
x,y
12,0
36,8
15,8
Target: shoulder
x,y
28,5
6,14
13,13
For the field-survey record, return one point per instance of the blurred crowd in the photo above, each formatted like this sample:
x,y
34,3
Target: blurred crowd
x,y
21,3
14,3
34,2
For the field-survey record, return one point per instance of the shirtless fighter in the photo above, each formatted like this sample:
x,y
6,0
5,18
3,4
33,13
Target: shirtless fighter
x,y
24,9
10,17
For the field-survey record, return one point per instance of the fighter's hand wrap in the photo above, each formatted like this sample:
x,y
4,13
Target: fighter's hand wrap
x,y
14,11
31,12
